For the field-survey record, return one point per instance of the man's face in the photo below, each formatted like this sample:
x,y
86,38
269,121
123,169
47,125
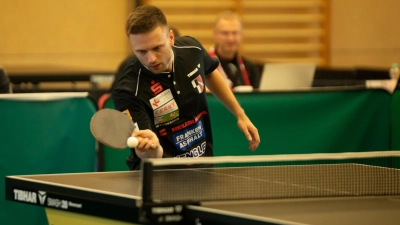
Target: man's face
x,y
228,35
153,49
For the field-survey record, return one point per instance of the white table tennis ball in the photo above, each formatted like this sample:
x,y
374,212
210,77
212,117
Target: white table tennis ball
x,y
132,142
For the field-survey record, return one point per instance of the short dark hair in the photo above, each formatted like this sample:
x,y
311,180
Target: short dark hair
x,y
144,19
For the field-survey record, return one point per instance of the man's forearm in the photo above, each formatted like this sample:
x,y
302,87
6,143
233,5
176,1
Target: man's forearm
x,y
216,84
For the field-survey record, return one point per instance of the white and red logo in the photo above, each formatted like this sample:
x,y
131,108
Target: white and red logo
x,y
198,84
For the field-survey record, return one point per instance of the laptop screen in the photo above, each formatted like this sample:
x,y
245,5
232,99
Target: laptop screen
x,y
287,76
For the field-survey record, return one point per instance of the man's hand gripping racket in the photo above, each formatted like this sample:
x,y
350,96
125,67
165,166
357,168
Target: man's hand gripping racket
x,y
114,129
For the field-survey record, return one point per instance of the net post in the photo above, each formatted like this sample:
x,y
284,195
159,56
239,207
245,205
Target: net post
x,y
147,184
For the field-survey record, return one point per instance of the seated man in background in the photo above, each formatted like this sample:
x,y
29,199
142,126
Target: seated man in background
x,y
236,69
5,86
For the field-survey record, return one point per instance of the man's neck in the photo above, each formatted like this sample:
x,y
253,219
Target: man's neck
x,y
170,67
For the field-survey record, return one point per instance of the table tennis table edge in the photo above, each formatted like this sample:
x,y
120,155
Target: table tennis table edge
x,y
202,214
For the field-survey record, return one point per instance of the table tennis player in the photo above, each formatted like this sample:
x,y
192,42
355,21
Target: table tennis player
x,y
163,90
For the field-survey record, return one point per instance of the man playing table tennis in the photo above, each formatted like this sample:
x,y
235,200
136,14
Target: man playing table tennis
x,y
163,90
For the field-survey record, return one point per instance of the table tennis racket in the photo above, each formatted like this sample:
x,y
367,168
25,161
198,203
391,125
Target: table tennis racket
x,y
113,128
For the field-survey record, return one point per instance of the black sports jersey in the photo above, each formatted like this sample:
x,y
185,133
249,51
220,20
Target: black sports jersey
x,y
172,104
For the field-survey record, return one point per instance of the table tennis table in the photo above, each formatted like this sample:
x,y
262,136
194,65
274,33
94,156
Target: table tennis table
x,y
116,197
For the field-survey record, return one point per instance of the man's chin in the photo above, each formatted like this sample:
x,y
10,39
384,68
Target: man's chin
x,y
156,70
231,50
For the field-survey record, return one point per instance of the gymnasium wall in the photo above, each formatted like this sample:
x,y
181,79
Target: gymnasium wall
x,y
73,36
364,33
63,36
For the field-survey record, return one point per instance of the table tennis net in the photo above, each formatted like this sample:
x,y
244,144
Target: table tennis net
x,y
273,177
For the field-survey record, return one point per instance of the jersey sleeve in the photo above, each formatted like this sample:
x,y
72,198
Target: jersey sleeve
x,y
210,63
125,100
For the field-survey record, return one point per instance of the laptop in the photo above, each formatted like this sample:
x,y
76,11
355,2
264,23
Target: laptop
x,y
287,76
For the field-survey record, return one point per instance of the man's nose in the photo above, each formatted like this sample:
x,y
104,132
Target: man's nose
x,y
231,36
151,57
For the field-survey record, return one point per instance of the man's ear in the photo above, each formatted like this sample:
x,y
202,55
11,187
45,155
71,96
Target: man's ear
x,y
171,37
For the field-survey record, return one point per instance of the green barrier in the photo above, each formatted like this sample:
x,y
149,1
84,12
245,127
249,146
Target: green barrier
x,y
395,118
43,137
296,122
307,122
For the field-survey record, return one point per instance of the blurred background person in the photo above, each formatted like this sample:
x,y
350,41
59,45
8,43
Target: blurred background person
x,y
237,70
5,85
